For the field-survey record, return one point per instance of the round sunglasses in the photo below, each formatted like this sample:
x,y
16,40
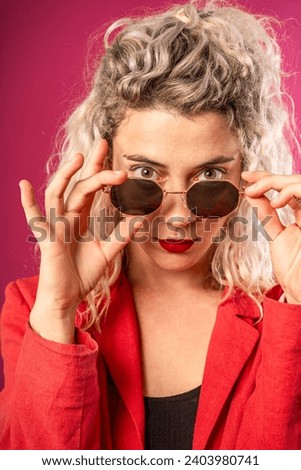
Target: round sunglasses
x,y
137,196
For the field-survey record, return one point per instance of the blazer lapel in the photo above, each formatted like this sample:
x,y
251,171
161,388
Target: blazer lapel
x,y
120,345
232,342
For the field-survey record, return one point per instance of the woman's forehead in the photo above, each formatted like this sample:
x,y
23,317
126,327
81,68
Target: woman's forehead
x,y
161,136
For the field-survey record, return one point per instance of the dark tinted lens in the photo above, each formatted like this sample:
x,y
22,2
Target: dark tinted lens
x,y
212,198
137,197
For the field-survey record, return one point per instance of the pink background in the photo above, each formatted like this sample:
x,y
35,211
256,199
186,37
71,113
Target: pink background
x,y
42,52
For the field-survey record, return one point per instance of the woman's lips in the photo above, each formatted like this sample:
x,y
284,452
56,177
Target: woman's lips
x,y
176,246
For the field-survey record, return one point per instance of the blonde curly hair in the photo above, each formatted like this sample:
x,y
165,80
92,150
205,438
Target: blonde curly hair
x,y
201,56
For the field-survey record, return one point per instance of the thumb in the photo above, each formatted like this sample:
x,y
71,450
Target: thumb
x,y
267,215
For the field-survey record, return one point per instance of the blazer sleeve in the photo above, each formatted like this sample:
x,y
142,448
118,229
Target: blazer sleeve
x,y
272,417
50,398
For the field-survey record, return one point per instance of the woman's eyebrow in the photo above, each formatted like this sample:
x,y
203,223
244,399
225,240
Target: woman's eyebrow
x,y
143,159
216,161
213,161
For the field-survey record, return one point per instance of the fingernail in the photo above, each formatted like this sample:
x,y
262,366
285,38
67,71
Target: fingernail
x,y
117,172
252,188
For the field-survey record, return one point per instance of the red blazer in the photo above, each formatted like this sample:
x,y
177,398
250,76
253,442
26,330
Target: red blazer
x,y
89,395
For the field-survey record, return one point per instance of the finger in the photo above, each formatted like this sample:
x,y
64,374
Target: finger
x,y
296,203
80,196
54,194
121,236
269,181
31,209
28,201
288,195
268,217
252,176
95,161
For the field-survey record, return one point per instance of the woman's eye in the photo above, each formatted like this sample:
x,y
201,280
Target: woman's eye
x,y
211,174
145,172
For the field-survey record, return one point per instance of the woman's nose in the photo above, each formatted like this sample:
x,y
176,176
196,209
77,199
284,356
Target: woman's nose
x,y
176,210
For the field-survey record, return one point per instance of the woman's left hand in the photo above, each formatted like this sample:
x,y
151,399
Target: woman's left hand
x,y
285,242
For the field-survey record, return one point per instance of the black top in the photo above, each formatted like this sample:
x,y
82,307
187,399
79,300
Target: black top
x,y
170,420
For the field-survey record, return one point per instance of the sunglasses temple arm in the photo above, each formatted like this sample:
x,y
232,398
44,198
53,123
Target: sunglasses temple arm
x,y
242,191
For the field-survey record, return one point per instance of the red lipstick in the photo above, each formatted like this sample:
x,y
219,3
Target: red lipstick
x,y
176,246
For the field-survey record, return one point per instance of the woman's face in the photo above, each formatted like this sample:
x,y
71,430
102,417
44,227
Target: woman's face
x,y
176,151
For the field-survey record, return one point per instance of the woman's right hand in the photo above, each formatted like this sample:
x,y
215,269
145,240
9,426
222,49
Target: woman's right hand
x,y
69,268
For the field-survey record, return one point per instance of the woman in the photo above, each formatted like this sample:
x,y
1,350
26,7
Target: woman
x,y
165,315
